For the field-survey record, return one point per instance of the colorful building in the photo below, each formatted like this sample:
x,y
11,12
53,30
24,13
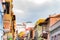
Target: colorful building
x,y
54,27
39,29
50,24
55,31
51,20
9,18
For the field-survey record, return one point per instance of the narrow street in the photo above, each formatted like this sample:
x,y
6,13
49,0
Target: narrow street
x,y
29,19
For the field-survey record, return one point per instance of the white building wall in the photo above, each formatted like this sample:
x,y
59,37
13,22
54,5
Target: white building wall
x,y
20,28
54,30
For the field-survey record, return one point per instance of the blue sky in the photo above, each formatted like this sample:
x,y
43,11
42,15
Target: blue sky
x,y
1,27
32,10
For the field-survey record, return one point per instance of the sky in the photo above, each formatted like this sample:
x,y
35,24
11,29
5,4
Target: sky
x,y
1,27
32,10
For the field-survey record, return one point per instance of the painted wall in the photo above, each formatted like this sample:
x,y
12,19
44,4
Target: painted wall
x,y
39,30
54,20
54,34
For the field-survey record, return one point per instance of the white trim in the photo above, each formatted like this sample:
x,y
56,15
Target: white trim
x,y
58,32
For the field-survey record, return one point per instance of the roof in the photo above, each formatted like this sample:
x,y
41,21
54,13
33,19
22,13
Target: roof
x,y
21,34
52,16
45,21
40,21
56,15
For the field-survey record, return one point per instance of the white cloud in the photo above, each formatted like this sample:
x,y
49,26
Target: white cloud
x,y
31,9
19,13
39,1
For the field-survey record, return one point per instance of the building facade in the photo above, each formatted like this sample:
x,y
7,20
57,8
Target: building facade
x,y
9,24
48,25
39,29
51,20
55,31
